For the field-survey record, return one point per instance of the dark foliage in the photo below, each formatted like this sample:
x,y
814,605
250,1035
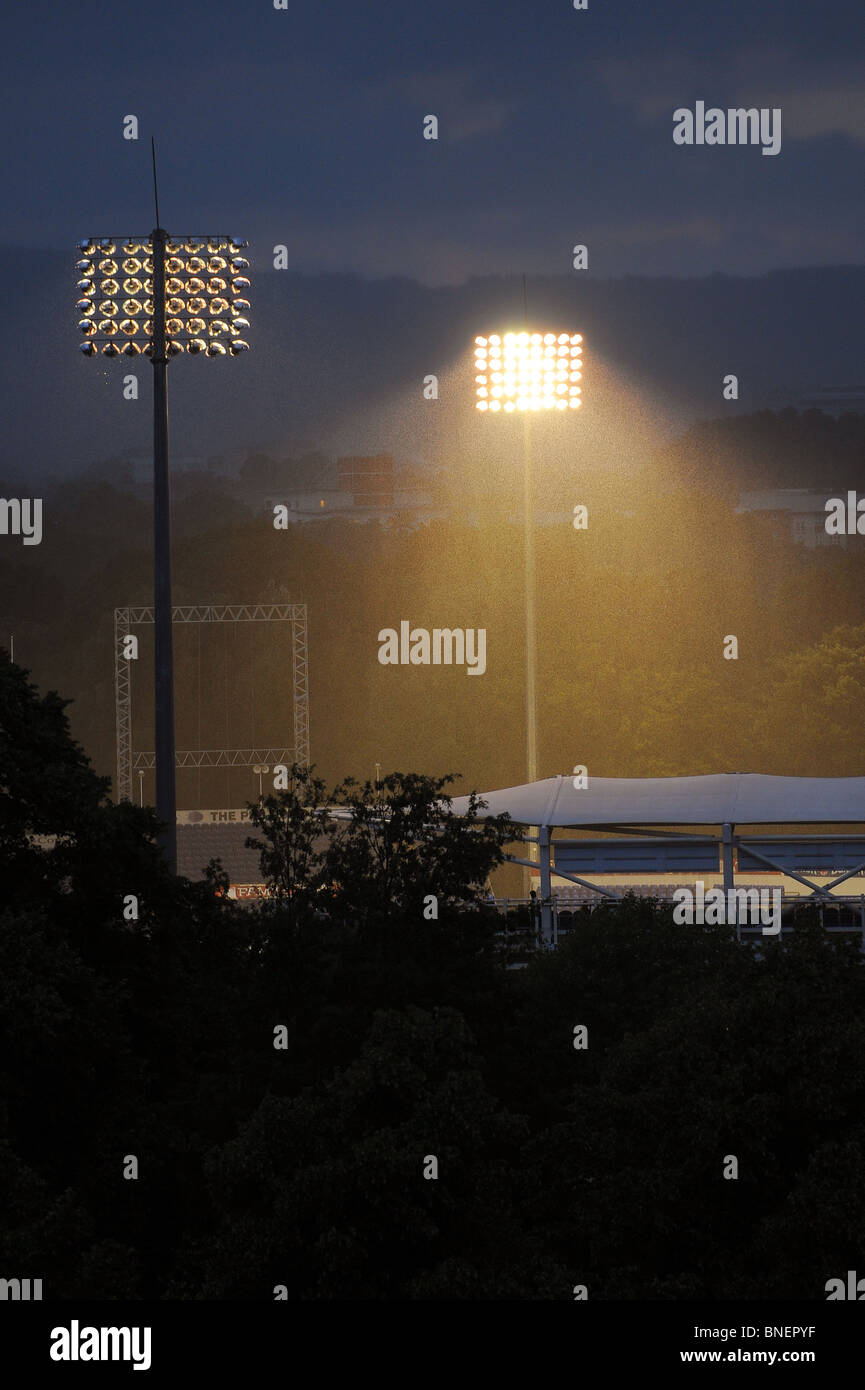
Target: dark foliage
x,y
401,1038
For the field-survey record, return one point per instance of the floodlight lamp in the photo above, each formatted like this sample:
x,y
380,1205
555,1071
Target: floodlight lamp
x,y
240,282
240,305
87,327
195,327
216,350
175,306
173,349
195,265
89,349
130,349
196,345
174,265
239,263
107,246
85,307
237,243
132,307
173,327
110,350
86,286
84,265
239,345
240,323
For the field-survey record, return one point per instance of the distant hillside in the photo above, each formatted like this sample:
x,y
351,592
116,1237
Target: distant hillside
x,y
338,362
784,449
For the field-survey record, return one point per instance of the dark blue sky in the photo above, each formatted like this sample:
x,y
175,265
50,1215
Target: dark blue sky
x,y
304,127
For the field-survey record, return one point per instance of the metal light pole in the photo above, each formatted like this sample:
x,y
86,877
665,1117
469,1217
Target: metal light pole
x,y
166,797
528,372
531,630
132,293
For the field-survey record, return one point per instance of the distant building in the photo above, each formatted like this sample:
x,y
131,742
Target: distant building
x,y
799,512
832,400
835,400
364,488
368,479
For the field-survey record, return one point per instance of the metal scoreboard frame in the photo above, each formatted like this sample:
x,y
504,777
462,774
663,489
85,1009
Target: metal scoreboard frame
x,y
128,617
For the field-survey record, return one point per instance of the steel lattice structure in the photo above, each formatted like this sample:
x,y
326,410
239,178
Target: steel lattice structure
x,y
127,618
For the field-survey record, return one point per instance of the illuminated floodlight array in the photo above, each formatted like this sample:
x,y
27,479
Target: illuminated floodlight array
x,y
205,296
528,371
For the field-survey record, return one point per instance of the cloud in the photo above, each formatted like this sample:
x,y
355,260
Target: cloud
x,y
451,94
825,111
817,99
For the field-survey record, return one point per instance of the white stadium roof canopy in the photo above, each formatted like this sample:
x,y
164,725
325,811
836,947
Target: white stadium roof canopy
x,y
743,798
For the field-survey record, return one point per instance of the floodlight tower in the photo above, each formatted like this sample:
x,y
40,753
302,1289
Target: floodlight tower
x,y
159,296
525,373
